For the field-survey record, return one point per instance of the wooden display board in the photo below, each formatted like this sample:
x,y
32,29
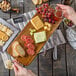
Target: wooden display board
x,y
28,59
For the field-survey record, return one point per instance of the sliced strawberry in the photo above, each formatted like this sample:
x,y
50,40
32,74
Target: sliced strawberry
x,y
30,52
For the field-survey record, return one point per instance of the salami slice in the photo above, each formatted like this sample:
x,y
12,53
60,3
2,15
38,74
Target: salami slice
x,y
23,37
31,46
30,52
27,39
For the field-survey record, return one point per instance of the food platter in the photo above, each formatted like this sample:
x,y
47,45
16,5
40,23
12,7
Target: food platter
x,y
14,30
26,60
35,34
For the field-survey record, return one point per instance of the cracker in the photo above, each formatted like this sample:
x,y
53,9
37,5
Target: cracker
x,y
4,29
3,36
37,23
9,32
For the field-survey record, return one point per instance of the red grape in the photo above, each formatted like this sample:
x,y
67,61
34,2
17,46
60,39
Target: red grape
x,y
43,13
45,20
46,13
53,22
50,20
43,16
49,14
37,9
40,8
49,10
45,9
43,5
46,5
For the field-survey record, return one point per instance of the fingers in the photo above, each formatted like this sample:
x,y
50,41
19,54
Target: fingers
x,y
15,69
62,6
17,65
32,74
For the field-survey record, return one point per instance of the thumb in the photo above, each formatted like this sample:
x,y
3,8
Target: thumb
x,y
17,65
15,68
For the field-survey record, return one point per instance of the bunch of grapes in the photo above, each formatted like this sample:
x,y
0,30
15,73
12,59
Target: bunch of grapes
x,y
47,13
68,22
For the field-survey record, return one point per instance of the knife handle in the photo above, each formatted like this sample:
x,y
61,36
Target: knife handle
x,y
55,53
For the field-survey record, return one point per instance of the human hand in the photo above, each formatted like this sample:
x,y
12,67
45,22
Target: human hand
x,y
20,71
68,12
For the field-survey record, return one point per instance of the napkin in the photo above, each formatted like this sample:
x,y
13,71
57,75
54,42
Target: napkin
x,y
71,36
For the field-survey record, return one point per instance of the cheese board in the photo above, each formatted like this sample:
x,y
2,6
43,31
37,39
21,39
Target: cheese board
x,y
36,39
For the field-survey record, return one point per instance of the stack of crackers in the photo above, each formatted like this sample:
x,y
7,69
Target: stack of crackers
x,y
37,2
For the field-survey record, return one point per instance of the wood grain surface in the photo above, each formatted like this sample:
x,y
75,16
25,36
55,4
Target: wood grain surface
x,y
44,65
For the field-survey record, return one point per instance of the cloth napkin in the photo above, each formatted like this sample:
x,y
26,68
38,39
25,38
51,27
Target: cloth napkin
x,y
21,21
71,36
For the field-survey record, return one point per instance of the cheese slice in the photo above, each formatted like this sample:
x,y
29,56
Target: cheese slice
x,y
40,37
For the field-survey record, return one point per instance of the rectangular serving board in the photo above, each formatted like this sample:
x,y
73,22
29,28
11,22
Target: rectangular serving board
x,y
28,59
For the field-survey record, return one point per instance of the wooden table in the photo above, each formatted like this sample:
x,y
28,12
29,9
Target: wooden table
x,y
45,65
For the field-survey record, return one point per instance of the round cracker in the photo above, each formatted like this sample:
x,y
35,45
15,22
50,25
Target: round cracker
x,y
5,38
